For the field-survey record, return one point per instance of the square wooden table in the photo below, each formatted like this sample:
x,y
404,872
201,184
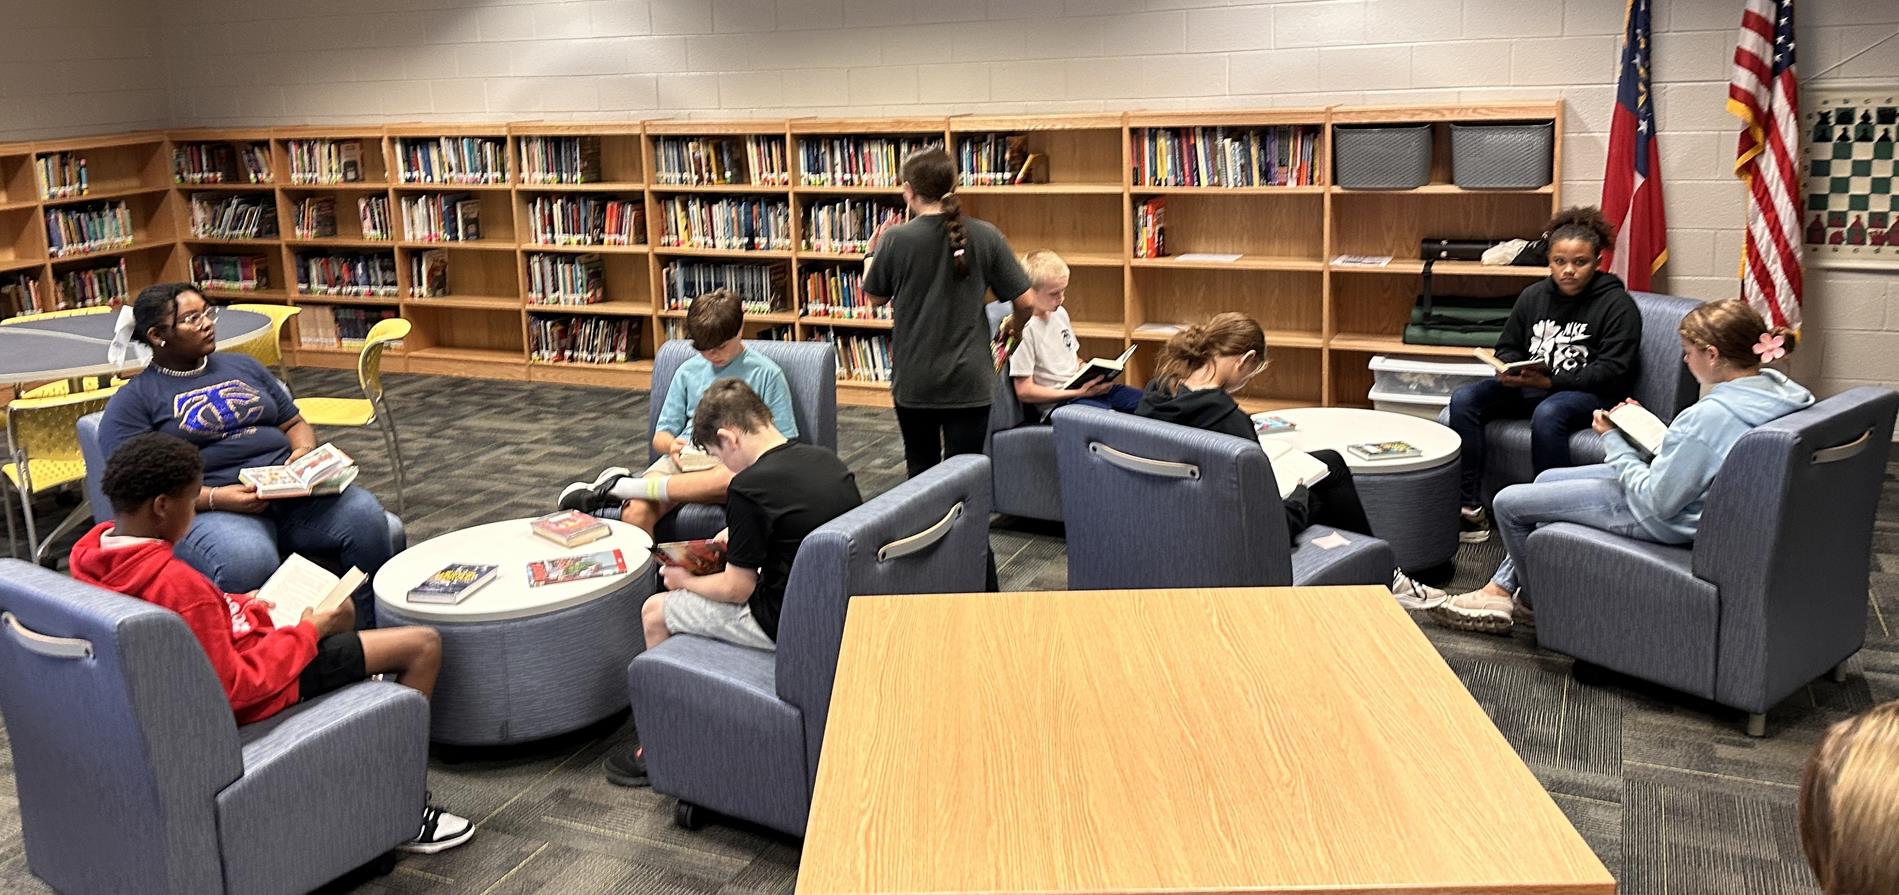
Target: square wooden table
x,y
1197,740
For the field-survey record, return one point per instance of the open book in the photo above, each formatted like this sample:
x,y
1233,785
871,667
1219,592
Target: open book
x,y
1643,429
1490,357
326,470
1101,370
692,459
300,584
703,557
1292,468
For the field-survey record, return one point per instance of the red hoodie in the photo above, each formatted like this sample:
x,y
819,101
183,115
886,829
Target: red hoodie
x,y
257,663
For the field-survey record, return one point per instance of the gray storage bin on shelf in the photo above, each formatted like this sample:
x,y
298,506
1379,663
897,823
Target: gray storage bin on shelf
x,y
1502,156
1382,157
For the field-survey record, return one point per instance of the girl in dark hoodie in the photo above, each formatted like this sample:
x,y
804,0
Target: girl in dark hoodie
x,y
1583,326
1200,368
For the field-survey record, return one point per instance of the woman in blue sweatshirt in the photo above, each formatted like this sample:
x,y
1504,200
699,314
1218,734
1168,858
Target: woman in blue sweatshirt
x,y
1726,345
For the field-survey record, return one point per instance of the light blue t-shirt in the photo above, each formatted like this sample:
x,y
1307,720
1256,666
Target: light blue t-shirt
x,y
696,375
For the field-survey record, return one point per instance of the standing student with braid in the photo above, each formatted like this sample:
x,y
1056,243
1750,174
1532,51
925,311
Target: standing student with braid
x,y
937,269
1581,323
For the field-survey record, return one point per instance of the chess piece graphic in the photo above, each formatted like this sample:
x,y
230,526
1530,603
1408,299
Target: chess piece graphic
x,y
1856,232
1823,127
1885,135
1863,133
1816,232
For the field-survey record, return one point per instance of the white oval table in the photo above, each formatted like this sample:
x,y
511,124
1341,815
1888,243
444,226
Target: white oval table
x,y
1411,501
518,662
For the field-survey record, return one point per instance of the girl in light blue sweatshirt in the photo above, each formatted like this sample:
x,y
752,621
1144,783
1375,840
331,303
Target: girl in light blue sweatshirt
x,y
1725,345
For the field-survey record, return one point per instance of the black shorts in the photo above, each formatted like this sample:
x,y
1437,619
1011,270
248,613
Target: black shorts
x,y
338,663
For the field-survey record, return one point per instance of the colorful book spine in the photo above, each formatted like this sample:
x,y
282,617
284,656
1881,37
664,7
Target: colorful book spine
x,y
235,273
555,279
93,286
857,161
367,274
846,225
578,220
325,161
62,175
839,292
582,340
560,159
1215,157
760,287
742,223
242,216
95,227
453,160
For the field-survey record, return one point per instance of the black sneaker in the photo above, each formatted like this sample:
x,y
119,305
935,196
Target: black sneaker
x,y
1473,525
441,831
587,496
627,767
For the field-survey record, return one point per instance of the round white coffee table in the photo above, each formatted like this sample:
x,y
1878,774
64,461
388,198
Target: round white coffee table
x,y
518,662
1411,501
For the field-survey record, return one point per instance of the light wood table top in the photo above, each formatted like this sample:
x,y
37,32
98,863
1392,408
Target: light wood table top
x,y
1259,740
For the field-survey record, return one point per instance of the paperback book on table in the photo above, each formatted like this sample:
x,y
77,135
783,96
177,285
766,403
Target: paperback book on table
x,y
570,528
452,583
576,568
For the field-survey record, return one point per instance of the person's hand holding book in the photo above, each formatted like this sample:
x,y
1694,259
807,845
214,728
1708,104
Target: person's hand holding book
x,y
340,618
238,498
1530,377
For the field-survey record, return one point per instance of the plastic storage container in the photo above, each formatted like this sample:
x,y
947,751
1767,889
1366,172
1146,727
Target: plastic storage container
x,y
1425,406
1382,157
1502,156
1406,377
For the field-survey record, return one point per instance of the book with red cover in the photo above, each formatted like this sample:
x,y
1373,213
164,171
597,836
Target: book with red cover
x,y
704,557
576,568
570,527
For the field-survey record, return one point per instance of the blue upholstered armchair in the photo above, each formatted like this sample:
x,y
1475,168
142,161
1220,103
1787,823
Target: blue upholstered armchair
x,y
1027,481
1771,595
737,731
811,373
1153,504
118,724
1662,384
102,508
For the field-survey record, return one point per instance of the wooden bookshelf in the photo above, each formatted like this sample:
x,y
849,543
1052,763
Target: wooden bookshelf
x,y
1323,321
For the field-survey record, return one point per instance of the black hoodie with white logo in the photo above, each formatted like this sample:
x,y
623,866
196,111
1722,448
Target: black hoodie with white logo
x,y
1590,341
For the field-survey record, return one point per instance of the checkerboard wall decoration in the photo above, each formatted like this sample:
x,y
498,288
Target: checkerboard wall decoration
x,y
1852,165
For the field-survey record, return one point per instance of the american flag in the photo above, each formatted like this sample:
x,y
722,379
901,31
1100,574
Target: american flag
x,y
1763,94
1632,181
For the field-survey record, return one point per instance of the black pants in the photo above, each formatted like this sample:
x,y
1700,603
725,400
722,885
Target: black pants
x,y
1333,502
931,434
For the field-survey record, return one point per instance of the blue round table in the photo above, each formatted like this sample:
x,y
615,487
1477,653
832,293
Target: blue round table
x,y
75,347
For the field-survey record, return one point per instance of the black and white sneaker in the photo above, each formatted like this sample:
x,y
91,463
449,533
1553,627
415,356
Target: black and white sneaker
x,y
441,831
587,496
1414,594
627,767
1473,525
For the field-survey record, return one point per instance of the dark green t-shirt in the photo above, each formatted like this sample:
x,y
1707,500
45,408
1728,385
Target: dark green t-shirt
x,y
939,346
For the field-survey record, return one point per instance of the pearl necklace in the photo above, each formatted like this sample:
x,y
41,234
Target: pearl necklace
x,y
184,374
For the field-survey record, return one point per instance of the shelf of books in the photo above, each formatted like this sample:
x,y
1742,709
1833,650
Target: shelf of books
x,y
567,251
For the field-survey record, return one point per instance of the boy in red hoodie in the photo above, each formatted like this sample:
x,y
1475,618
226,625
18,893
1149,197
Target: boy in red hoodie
x,y
152,481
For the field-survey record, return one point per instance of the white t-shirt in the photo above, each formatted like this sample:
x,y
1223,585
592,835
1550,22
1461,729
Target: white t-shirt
x,y
1049,354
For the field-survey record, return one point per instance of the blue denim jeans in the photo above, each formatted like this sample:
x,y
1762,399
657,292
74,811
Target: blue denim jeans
x,y
1585,495
1121,399
239,551
1553,417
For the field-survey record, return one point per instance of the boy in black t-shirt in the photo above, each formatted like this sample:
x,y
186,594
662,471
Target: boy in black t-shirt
x,y
781,491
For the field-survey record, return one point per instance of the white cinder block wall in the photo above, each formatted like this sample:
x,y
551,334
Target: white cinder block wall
x,y
81,67
245,62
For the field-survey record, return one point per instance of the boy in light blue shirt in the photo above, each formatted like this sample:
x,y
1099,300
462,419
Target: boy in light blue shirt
x,y
682,474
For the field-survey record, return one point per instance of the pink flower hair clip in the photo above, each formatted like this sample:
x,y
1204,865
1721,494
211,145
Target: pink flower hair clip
x,y
1771,347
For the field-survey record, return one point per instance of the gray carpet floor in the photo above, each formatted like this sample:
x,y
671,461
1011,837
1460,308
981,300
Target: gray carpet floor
x,y
1670,793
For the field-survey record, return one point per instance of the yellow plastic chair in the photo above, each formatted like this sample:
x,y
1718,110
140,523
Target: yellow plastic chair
x,y
55,389
269,349
358,412
43,453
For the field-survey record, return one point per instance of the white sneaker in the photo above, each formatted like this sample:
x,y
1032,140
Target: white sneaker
x,y
1414,595
1475,611
441,831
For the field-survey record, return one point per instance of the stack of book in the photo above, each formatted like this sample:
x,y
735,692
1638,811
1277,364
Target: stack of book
x,y
62,175
374,211
357,273
315,218
235,273
453,160
331,326
1150,225
582,340
441,217
212,163
859,358
839,292
428,274
565,279
93,286
225,216
1226,157
560,159
20,294
725,223
760,287
94,227
996,160
846,225
857,161
325,161
575,220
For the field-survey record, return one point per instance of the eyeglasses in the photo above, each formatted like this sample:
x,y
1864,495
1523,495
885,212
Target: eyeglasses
x,y
198,320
